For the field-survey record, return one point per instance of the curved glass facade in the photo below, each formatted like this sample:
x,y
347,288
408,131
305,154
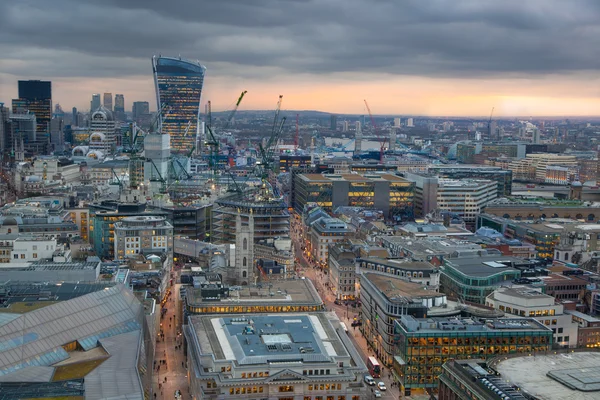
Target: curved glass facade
x,y
178,84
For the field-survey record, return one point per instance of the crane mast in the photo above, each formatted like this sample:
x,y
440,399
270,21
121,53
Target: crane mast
x,y
381,139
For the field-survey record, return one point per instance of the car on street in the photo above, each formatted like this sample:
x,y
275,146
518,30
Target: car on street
x,y
381,386
369,380
377,393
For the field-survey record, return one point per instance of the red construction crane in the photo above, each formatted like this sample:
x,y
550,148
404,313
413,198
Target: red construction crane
x,y
381,139
297,134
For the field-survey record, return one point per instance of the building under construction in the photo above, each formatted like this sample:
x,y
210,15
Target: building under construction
x,y
270,215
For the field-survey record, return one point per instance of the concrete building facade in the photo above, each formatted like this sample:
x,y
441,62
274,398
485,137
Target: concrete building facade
x,y
295,356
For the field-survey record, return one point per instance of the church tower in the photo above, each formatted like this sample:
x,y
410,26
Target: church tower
x,y
244,250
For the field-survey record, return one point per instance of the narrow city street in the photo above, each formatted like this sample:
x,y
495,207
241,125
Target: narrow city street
x,y
170,370
345,313
308,269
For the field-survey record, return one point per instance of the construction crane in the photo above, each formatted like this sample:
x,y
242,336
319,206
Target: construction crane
x,y
232,114
296,138
267,165
381,139
489,127
158,177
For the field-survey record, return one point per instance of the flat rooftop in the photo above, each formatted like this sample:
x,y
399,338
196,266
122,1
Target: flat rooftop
x,y
483,266
263,338
39,295
440,324
573,376
394,288
483,381
285,292
404,263
366,177
523,292
49,266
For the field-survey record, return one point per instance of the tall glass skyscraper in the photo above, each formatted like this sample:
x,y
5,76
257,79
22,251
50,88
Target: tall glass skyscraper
x,y
36,97
178,84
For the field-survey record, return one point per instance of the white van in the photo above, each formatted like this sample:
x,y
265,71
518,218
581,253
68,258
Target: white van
x,y
369,380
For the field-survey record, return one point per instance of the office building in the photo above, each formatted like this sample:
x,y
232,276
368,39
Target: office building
x,y
296,356
104,215
501,176
24,137
146,235
533,166
426,192
389,193
140,108
588,331
323,232
57,133
192,221
104,131
465,198
333,122
552,376
119,109
473,277
102,341
409,122
95,103
51,271
421,272
289,161
423,345
108,101
36,97
532,303
342,270
211,296
38,216
5,130
471,379
384,299
179,87
397,122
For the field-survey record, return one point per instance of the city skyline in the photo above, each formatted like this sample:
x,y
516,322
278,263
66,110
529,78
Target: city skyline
x,y
451,58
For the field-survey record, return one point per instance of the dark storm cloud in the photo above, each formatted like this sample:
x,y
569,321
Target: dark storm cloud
x,y
413,37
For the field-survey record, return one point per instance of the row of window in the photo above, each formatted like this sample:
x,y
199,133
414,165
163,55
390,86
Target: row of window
x,y
253,309
246,390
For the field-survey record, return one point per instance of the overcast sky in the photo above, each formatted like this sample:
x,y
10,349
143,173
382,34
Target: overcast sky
x,y
432,57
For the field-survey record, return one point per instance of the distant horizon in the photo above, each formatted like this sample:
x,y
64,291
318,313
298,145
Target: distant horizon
x,y
443,59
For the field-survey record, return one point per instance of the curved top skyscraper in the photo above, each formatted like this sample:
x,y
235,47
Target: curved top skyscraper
x,y
178,84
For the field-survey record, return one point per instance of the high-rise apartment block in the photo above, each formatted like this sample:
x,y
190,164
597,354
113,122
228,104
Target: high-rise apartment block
x,y
35,97
333,122
108,101
179,87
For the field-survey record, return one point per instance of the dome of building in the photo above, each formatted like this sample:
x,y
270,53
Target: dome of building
x,y
9,221
576,184
97,137
80,151
95,154
102,114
